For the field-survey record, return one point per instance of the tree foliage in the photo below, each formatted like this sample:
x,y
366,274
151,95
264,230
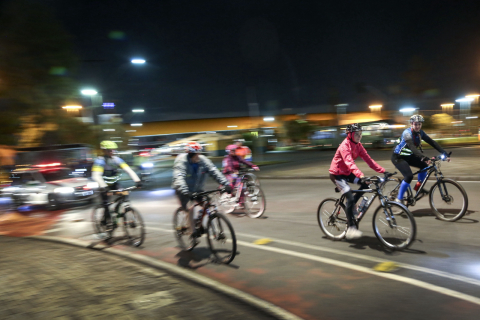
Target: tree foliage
x,y
297,130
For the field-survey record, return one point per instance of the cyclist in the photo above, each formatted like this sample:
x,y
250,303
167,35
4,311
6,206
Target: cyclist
x,y
343,170
231,163
189,171
407,154
105,171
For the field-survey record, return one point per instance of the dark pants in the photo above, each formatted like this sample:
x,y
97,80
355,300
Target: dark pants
x,y
104,196
342,183
183,199
403,163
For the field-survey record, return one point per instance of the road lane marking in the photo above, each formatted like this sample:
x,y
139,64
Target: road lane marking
x,y
351,266
346,265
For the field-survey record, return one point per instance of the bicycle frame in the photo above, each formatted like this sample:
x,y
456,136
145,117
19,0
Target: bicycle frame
x,y
430,169
377,193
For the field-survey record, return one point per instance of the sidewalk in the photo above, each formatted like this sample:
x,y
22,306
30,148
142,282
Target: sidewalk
x,y
45,280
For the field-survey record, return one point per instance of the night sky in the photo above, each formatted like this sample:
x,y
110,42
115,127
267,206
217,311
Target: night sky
x,y
203,55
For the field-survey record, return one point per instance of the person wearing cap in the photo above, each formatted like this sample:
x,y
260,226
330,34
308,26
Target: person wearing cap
x,y
189,172
344,170
409,152
105,171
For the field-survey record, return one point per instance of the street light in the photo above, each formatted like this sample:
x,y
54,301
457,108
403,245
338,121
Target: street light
x,y
89,92
138,110
447,107
465,106
136,124
138,61
375,108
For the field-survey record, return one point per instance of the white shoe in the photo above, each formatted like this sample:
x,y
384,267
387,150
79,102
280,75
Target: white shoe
x,y
353,233
400,201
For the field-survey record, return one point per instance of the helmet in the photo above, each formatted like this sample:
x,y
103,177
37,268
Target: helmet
x,y
231,147
108,145
353,127
193,147
416,118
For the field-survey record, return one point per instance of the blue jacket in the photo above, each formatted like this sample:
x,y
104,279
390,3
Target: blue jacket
x,y
185,179
411,142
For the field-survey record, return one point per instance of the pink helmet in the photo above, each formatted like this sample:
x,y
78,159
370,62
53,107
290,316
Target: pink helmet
x,y
231,147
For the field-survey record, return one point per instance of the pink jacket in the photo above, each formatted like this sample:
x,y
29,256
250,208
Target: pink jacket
x,y
343,162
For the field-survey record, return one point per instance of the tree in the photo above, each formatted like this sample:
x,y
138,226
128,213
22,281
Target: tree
x,y
297,130
36,64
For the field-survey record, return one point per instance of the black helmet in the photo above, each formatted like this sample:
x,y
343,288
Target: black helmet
x,y
416,118
353,127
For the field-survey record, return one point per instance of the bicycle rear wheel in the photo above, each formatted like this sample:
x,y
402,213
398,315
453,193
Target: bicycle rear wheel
x,y
448,200
332,219
394,226
225,202
221,238
181,226
390,188
255,202
133,226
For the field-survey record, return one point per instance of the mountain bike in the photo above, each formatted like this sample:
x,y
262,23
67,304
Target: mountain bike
x,y
247,194
122,214
447,198
220,234
393,225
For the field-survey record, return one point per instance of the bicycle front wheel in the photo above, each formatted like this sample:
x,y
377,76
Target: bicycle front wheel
x,y
332,218
133,226
394,226
181,227
255,202
391,187
221,238
97,216
448,200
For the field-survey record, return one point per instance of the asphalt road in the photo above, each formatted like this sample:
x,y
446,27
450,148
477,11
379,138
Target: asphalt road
x,y
315,278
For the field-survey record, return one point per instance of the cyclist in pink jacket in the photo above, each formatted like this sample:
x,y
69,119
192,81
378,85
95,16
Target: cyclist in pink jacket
x,y
344,170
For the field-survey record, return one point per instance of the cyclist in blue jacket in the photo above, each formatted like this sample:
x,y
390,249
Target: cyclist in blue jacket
x,y
409,153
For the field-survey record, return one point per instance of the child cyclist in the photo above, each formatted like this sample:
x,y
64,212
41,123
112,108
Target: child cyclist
x,y
231,164
343,170
407,154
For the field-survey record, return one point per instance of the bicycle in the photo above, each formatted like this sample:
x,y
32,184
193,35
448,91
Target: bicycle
x,y
442,201
123,214
393,225
220,234
247,193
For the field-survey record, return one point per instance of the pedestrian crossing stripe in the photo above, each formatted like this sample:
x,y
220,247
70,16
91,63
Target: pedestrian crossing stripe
x,y
387,266
262,241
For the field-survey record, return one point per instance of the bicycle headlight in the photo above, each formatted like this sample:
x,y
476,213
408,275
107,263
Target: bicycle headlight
x,y
64,190
442,156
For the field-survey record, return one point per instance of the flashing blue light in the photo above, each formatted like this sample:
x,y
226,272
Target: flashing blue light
x,y
108,105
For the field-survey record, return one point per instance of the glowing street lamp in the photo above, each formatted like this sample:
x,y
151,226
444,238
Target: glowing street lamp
x,y
89,92
447,107
72,108
138,61
138,110
375,107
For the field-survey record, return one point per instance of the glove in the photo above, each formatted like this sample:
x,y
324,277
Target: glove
x,y
255,168
363,180
139,184
228,188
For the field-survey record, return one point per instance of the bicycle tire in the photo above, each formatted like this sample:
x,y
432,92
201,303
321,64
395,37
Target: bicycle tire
x,y
388,191
251,178
388,230
219,233
181,227
97,215
254,196
132,220
436,201
330,223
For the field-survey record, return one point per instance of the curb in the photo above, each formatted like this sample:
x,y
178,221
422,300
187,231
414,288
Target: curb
x,y
261,305
458,178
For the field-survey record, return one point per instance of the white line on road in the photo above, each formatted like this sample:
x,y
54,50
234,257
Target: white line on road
x,y
351,266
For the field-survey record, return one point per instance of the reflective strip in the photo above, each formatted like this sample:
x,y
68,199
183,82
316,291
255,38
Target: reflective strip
x,y
123,165
97,169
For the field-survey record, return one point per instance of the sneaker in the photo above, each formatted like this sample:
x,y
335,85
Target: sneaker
x,y
400,201
353,233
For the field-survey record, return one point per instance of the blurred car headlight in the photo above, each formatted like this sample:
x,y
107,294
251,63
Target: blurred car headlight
x,y
92,185
10,189
64,190
147,165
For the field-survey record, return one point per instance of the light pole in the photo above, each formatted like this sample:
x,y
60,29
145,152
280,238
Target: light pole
x,y
96,101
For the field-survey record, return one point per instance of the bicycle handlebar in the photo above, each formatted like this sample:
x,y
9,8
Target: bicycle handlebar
x,y
379,179
441,157
196,195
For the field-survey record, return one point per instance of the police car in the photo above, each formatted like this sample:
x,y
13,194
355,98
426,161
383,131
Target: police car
x,y
50,185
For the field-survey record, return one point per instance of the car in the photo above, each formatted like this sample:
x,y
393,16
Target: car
x,y
50,185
